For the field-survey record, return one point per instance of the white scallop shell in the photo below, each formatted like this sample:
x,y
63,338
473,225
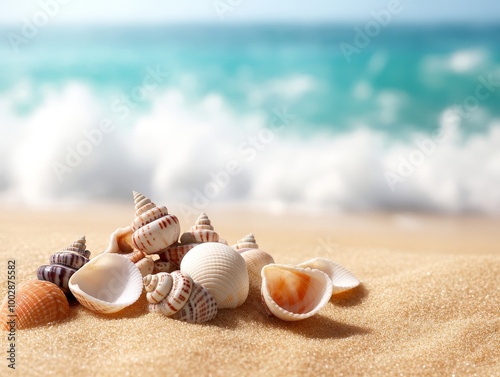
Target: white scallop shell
x,y
107,283
342,279
221,270
293,293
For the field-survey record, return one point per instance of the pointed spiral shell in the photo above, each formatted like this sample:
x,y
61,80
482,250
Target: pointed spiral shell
x,y
176,295
154,228
64,264
201,231
37,302
247,242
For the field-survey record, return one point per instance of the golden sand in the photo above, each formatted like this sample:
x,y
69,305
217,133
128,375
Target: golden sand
x,y
429,303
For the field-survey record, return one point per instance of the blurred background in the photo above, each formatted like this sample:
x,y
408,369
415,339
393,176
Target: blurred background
x,y
317,105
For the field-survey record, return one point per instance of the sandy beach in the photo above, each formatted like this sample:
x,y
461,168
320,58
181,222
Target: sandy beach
x,y
428,305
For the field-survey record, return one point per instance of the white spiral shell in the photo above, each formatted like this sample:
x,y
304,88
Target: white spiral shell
x,y
219,269
177,296
154,228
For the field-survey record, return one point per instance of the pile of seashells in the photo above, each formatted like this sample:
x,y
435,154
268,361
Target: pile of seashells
x,y
188,277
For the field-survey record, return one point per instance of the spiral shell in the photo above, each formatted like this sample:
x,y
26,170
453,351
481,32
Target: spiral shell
x,y
64,264
120,242
219,269
201,231
247,242
153,228
107,284
293,293
342,279
36,302
177,296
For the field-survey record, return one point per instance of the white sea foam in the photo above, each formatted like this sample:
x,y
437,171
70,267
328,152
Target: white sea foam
x,y
204,153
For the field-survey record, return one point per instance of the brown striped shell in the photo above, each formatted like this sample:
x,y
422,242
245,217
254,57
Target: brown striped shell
x,y
202,231
36,302
154,229
175,295
64,264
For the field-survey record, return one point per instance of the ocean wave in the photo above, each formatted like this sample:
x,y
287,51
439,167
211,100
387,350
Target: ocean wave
x,y
72,147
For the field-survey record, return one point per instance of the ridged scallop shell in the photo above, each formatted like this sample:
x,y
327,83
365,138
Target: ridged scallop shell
x,y
255,259
154,228
177,296
64,264
37,302
107,284
247,242
293,293
201,231
120,242
219,269
342,279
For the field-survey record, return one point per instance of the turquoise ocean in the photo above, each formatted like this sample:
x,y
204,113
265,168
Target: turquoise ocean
x,y
275,116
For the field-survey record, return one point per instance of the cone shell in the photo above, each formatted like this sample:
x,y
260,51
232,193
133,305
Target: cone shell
x,y
176,295
64,264
107,284
37,302
154,228
342,279
293,293
221,270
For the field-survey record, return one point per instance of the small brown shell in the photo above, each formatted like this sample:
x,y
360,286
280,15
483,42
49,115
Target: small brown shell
x,y
37,302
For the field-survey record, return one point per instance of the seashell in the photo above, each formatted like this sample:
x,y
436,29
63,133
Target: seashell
x,y
342,279
163,266
37,302
201,231
247,242
107,284
176,295
64,264
294,293
219,269
255,259
120,242
154,229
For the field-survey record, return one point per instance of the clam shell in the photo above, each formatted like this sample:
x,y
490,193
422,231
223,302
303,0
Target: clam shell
x,y
294,293
107,284
37,302
342,279
221,270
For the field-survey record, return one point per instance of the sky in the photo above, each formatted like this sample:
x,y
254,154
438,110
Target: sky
x,y
148,11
